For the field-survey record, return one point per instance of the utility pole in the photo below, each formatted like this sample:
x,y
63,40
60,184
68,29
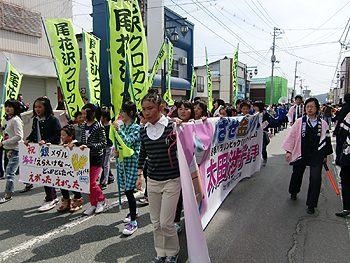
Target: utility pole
x,y
273,58
301,86
295,79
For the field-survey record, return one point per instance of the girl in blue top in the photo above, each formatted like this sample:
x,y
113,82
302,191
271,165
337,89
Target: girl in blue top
x,y
129,132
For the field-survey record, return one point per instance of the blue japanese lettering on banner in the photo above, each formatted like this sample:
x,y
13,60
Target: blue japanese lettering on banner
x,y
228,164
231,128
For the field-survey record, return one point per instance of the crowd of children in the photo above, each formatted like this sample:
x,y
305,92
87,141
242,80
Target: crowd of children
x,y
152,160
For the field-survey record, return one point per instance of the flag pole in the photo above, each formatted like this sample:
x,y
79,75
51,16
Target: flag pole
x,y
4,85
118,179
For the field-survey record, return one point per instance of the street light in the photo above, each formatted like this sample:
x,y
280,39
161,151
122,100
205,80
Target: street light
x,y
174,38
184,29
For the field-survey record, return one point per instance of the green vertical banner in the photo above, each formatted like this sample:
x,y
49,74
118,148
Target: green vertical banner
x,y
66,50
209,84
159,60
12,85
171,50
120,25
92,58
138,56
193,81
234,75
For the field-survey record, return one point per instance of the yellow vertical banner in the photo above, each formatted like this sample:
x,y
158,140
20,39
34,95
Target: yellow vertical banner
x,y
234,75
92,58
66,50
193,81
171,49
12,85
159,60
120,24
138,57
209,84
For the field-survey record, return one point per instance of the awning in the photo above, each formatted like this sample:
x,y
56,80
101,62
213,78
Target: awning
x,y
175,83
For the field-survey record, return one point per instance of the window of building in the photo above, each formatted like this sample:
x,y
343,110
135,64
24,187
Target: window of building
x,y
175,69
240,88
200,83
20,20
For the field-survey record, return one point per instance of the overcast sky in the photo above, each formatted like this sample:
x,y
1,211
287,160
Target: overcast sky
x,y
310,31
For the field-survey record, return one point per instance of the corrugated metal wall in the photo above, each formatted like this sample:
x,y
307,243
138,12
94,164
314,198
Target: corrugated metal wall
x,y
24,44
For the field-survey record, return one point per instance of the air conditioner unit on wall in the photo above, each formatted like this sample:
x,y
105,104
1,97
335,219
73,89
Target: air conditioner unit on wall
x,y
183,60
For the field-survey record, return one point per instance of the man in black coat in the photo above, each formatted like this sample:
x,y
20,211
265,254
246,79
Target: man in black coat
x,y
339,132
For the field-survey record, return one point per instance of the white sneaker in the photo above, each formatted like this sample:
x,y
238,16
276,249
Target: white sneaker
x,y
47,205
101,206
90,210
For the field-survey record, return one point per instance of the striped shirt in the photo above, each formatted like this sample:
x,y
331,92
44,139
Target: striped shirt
x,y
158,163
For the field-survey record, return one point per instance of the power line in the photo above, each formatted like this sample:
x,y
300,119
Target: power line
x,y
257,13
324,22
273,22
225,26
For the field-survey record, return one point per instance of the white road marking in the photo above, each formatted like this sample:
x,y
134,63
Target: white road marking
x,y
26,245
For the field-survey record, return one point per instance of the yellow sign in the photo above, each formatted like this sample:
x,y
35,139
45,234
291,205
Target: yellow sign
x,y
138,56
92,58
210,90
120,24
234,75
66,50
124,151
170,46
12,85
160,58
193,81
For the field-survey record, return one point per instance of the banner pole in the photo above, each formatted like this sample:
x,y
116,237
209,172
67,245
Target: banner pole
x,y
4,85
130,80
118,179
54,63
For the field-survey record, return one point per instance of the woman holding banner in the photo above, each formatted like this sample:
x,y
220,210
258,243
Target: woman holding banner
x,y
308,144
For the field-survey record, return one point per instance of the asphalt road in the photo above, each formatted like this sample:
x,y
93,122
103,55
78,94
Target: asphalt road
x,y
258,222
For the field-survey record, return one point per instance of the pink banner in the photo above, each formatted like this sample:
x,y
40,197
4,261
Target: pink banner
x,y
223,151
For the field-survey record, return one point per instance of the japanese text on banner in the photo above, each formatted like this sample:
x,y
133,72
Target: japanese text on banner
x,y
120,24
12,85
138,56
66,50
55,166
92,56
226,150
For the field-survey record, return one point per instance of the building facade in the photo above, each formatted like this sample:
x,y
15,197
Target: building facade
x,y
221,76
280,89
23,42
258,89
